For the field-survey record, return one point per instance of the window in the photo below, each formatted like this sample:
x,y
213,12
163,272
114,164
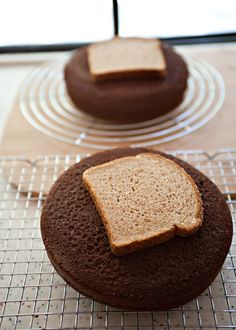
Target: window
x,y
168,18
69,22
30,22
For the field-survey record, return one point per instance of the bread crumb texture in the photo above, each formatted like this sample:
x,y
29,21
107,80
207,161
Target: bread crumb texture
x,y
144,200
120,57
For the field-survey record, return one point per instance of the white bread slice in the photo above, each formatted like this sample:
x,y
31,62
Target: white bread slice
x,y
123,57
144,200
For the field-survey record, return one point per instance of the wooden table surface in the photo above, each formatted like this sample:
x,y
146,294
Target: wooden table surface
x,y
19,138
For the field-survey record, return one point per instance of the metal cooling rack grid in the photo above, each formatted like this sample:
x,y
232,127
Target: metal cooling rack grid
x,y
33,296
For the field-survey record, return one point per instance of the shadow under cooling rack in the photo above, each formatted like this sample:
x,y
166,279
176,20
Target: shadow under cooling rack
x,y
32,294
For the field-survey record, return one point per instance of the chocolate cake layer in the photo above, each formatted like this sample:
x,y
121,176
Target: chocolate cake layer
x,y
157,278
127,99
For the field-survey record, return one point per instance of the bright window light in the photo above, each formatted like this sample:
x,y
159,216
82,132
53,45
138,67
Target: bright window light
x,y
26,22
168,18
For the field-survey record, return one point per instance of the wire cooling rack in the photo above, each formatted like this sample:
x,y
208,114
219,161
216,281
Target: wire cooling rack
x,y
32,294
45,104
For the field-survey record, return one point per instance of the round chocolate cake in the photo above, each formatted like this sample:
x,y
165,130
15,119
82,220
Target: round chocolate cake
x,y
127,99
157,278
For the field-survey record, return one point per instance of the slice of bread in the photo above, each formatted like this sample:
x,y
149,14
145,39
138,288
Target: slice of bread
x,y
124,57
144,200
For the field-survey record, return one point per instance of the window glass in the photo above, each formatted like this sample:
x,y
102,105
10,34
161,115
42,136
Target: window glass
x,y
169,18
26,22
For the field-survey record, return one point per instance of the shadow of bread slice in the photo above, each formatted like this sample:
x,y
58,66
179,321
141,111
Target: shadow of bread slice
x,y
144,200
